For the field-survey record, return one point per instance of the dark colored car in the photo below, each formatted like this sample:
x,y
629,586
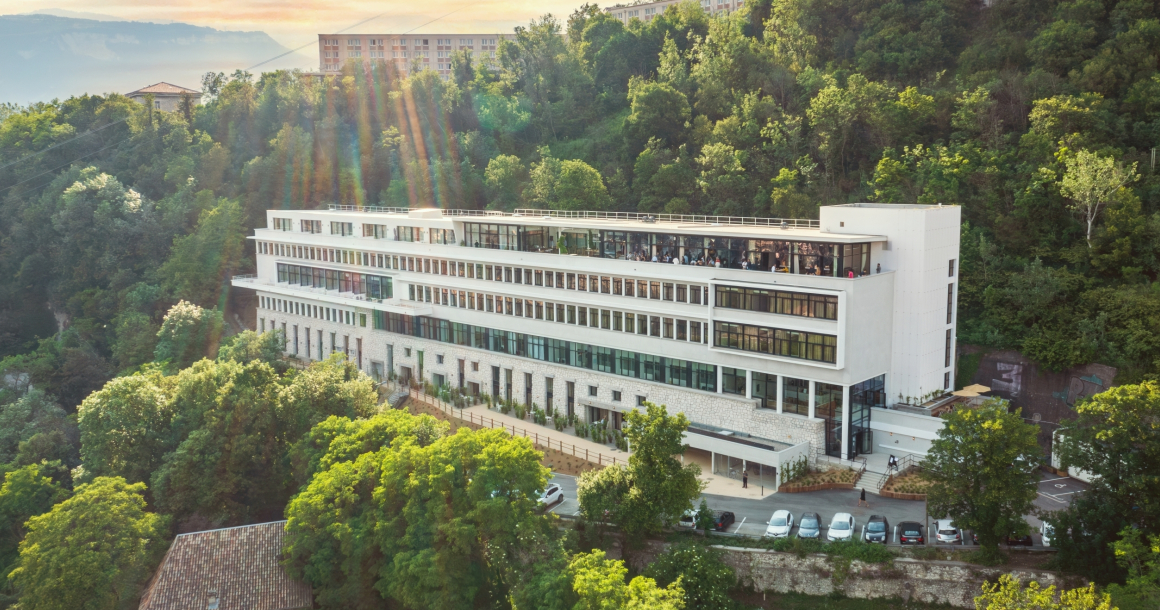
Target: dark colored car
x,y
723,519
877,530
810,526
1019,540
910,532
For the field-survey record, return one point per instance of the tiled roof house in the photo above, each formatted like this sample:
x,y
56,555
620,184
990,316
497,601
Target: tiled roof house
x,y
236,568
166,97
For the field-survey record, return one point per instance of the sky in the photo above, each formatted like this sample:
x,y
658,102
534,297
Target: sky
x,y
296,23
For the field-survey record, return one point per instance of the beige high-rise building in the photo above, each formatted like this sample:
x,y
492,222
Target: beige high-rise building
x,y
645,11
429,51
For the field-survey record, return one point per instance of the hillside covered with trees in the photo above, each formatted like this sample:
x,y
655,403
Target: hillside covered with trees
x,y
1037,117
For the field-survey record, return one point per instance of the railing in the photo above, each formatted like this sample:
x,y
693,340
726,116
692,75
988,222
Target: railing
x,y
785,223
904,465
245,277
856,464
537,440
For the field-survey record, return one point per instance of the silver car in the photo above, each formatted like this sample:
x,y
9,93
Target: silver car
x,y
841,527
780,524
947,533
810,526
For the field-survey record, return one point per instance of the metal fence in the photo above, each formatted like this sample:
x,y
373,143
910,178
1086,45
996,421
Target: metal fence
x,y
785,223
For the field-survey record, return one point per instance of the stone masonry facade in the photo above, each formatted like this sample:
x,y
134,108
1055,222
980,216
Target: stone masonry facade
x,y
721,410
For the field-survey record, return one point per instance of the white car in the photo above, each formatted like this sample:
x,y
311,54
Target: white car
x,y
947,533
552,495
780,524
1046,531
841,527
689,519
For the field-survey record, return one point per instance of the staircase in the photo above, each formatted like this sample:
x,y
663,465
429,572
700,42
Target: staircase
x,y
398,398
871,481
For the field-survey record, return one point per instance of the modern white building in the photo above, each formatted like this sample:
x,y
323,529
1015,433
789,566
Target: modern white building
x,y
777,338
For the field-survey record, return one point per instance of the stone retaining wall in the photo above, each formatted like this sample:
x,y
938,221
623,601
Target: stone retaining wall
x,y
933,582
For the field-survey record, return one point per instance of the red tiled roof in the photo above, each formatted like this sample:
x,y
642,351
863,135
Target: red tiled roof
x,y
164,88
238,564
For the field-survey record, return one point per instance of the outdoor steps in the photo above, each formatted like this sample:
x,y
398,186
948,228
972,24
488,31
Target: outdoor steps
x,y
871,481
398,397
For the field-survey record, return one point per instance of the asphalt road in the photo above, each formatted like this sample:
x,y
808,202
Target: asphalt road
x,y
1054,493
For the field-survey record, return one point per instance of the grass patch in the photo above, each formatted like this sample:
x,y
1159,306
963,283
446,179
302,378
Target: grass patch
x,y
834,475
849,550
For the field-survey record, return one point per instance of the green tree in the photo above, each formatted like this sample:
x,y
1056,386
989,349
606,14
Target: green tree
x,y
1140,556
188,333
703,576
201,263
566,185
25,493
93,550
658,111
1010,594
230,469
125,427
600,585
504,176
983,472
1090,182
248,346
655,489
334,386
26,416
1114,438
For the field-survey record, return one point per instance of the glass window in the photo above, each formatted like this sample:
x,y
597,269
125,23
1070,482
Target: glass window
x,y
796,396
629,288
828,406
733,381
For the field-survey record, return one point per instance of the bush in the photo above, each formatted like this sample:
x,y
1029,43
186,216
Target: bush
x,y
862,551
705,579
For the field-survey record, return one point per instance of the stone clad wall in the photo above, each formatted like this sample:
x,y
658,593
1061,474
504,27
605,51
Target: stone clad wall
x,y
934,582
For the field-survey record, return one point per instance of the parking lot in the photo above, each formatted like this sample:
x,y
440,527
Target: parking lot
x,y
1054,493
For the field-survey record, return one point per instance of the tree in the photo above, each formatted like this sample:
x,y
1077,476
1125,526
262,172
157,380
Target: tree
x,y
655,489
200,264
248,346
93,550
600,585
230,469
503,177
982,467
451,524
125,427
566,185
1009,594
25,493
705,579
658,111
1114,438
1090,181
26,416
187,334
334,386
1140,556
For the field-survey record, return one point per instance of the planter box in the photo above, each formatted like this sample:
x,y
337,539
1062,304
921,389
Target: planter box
x,y
793,489
898,496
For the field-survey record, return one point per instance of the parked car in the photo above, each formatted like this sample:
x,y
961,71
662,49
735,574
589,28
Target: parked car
x,y
877,530
689,519
780,524
947,533
1046,531
810,526
910,532
552,495
1024,540
841,527
723,519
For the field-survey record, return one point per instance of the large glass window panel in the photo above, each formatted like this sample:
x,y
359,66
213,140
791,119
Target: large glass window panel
x,y
733,381
795,396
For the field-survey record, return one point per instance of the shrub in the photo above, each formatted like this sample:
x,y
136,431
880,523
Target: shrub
x,y
705,579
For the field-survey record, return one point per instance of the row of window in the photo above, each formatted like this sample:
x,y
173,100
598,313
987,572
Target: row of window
x,y
604,284
318,312
778,301
776,341
660,369
370,286
638,323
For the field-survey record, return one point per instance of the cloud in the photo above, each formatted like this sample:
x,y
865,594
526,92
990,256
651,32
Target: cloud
x,y
297,23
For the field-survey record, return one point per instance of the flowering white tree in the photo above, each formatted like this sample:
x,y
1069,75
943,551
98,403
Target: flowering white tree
x,y
1090,181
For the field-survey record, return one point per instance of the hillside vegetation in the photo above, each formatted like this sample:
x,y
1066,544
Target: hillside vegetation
x,y
1036,116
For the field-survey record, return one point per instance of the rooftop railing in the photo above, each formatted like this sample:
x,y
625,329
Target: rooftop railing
x,y
785,223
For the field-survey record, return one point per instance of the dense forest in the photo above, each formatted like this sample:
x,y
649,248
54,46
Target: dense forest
x,y
121,225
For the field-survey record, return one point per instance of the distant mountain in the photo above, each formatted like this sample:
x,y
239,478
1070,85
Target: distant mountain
x,y
46,56
60,12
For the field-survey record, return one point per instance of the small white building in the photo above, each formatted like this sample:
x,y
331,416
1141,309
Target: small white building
x,y
778,338
166,97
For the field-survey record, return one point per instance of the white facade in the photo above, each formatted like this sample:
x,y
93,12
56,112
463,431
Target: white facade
x,y
851,317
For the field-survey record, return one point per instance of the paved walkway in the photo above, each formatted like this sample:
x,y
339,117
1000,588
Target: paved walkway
x,y
596,453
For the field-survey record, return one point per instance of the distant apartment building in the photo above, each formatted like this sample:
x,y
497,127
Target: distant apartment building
x,y
645,11
427,51
166,97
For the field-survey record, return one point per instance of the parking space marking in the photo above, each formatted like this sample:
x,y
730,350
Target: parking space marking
x,y
1056,479
1052,497
740,524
